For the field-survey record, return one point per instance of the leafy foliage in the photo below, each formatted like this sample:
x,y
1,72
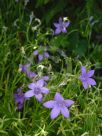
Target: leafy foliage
x,y
68,52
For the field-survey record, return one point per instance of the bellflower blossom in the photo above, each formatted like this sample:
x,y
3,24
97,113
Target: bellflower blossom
x,y
19,98
59,105
61,26
41,56
24,68
37,89
86,77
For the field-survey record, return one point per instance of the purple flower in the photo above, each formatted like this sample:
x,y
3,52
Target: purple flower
x,y
30,74
41,56
45,78
86,77
24,68
36,52
61,26
59,105
19,98
46,54
37,89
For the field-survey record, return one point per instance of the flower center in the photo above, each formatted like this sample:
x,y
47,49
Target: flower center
x,y
60,103
37,90
62,27
84,78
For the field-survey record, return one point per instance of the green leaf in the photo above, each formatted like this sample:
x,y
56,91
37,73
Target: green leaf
x,y
81,48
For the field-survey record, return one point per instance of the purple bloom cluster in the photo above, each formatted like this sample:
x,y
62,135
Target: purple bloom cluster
x,y
19,98
41,56
61,26
37,88
24,68
86,77
45,78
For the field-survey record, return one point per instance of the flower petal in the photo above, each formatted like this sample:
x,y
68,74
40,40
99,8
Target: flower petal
x,y
60,21
39,97
66,24
65,112
29,94
49,104
55,112
35,52
83,70
68,102
46,78
32,86
24,67
30,74
46,54
58,97
91,81
40,57
56,24
81,78
85,85
44,90
64,30
19,90
90,73
40,83
57,31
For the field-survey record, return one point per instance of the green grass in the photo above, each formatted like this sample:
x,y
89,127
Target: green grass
x,y
34,119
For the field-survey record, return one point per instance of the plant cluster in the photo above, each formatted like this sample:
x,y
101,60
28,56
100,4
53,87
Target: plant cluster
x,y
50,68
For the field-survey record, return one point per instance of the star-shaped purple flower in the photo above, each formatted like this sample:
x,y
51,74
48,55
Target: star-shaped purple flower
x,y
41,56
61,26
86,77
59,105
19,98
37,89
